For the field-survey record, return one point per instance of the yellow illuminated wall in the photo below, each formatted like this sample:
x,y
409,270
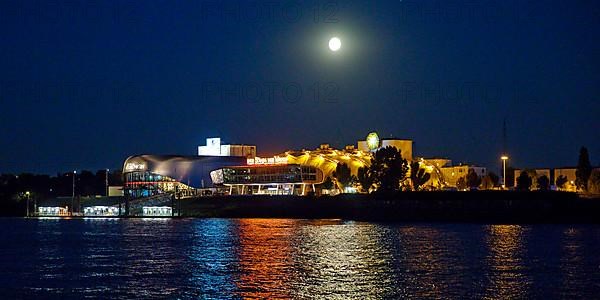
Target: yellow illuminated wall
x,y
326,160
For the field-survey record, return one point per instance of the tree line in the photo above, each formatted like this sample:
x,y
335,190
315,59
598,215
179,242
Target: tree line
x,y
587,179
14,188
389,172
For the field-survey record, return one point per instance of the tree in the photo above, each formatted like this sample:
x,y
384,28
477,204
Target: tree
x,y
510,177
523,181
543,183
461,183
561,181
584,169
365,179
594,182
472,179
487,182
343,175
327,183
418,175
494,178
388,169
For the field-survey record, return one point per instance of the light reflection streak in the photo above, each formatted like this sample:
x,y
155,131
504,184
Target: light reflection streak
x,y
506,271
264,257
213,257
571,262
342,260
431,261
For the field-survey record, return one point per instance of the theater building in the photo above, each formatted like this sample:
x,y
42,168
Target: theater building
x,y
235,169
149,175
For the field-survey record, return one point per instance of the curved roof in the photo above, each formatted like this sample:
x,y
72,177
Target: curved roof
x,y
327,160
192,170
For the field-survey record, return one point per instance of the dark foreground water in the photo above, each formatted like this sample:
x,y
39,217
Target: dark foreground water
x,y
264,258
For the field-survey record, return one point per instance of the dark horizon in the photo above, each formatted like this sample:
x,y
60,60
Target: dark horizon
x,y
87,85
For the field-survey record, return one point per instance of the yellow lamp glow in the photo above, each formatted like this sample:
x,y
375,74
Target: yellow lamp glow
x,y
373,141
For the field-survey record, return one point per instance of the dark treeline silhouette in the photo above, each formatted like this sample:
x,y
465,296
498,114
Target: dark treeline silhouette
x,y
16,188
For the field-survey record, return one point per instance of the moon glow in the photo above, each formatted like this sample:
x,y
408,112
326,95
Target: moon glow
x,y
335,44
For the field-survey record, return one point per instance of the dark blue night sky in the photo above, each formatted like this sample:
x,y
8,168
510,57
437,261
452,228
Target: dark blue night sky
x,y
86,84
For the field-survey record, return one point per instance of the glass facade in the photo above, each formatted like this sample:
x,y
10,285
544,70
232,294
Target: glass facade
x,y
52,211
101,211
145,184
270,174
157,211
150,175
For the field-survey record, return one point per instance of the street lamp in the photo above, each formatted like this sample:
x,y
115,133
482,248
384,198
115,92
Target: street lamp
x,y
504,158
73,195
28,196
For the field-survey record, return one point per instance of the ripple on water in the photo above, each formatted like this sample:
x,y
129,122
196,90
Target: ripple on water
x,y
280,258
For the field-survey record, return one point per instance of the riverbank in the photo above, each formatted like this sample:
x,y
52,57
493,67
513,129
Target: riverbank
x,y
475,206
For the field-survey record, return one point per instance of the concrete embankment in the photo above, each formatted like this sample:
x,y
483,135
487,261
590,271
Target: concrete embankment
x,y
476,206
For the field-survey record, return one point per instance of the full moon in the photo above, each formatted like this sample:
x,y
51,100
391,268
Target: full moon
x,y
335,44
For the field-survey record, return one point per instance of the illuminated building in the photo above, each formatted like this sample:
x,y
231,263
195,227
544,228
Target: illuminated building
x,y
534,174
215,148
282,179
326,158
295,172
96,211
148,175
373,143
451,174
568,172
235,169
157,211
52,211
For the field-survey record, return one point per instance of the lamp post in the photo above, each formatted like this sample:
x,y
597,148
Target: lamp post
x,y
73,195
504,158
28,196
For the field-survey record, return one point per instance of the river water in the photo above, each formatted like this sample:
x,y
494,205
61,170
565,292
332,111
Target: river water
x,y
282,258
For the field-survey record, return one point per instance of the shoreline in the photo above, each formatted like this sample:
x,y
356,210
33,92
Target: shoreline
x,y
493,207
475,206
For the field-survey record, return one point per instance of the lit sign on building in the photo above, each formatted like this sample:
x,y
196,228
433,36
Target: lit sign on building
x,y
132,166
275,160
373,141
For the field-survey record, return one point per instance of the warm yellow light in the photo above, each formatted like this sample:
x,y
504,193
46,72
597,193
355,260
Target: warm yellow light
x,y
335,44
373,141
504,157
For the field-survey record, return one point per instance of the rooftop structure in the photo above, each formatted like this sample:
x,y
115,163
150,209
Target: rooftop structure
x,y
215,148
373,143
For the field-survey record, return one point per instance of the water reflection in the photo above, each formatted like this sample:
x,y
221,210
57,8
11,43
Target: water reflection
x,y
506,271
342,260
571,261
265,258
265,263
213,257
431,261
